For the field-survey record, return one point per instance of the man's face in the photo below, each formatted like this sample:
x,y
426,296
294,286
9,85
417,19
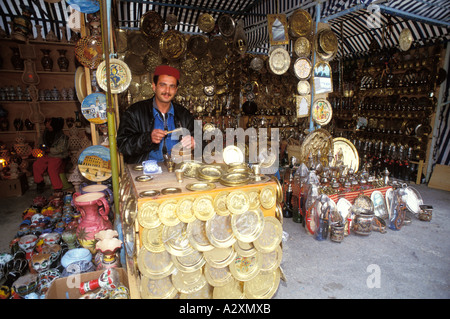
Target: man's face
x,y
166,88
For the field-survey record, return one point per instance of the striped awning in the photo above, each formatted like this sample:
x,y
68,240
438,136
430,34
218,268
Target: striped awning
x,y
356,22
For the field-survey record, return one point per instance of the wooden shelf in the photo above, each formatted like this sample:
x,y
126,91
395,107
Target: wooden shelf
x,y
39,72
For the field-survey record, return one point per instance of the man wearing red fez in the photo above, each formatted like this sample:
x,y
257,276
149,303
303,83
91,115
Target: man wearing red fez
x,y
144,126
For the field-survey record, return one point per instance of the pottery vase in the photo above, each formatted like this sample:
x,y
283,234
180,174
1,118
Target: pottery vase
x,y
99,188
94,210
69,236
16,61
63,62
46,61
107,249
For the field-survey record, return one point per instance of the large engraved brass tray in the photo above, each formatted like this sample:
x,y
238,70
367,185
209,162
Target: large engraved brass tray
x,y
300,23
173,44
318,140
152,25
343,147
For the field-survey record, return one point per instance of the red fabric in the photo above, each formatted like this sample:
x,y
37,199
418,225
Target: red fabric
x,y
54,166
167,70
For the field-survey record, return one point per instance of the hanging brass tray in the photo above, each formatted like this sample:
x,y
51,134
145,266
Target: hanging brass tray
x,y
206,22
137,43
317,140
197,45
302,68
226,25
279,61
300,23
152,24
349,152
172,44
405,39
328,41
302,47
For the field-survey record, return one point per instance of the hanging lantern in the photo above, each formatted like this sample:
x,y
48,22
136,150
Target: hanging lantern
x,y
3,163
37,152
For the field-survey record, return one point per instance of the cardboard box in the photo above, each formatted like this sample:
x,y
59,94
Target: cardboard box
x,y
13,187
68,287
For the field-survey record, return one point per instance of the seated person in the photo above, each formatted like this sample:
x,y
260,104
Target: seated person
x,y
56,146
142,133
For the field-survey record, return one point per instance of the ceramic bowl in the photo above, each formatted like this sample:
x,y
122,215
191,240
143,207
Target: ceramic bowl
x,y
75,255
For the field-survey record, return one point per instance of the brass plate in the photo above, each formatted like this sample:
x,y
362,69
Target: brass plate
x,y
322,112
226,25
210,172
253,196
151,60
263,286
152,24
143,178
219,231
203,207
189,168
248,226
138,167
130,210
137,43
149,193
205,293
157,288
196,187
172,44
271,236
245,249
206,22
300,23
238,202
155,265
80,84
220,257
191,262
167,212
246,268
152,239
279,61
349,153
196,233
302,68
405,40
217,277
268,197
188,282
218,47
197,45
303,87
148,215
176,240
234,179
184,209
231,290
324,56
232,154
328,41
220,203
271,261
302,47
317,140
170,190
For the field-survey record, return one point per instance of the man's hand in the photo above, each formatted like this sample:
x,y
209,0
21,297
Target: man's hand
x,y
188,141
158,135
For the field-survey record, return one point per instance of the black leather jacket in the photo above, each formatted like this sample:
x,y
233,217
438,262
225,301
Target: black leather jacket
x,y
134,139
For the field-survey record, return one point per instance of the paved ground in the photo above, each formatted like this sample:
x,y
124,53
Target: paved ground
x,y
411,263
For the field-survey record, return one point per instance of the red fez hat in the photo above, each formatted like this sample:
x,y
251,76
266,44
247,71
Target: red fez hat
x,y
167,70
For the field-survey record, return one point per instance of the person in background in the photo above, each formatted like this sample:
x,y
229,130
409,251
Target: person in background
x,y
56,148
142,133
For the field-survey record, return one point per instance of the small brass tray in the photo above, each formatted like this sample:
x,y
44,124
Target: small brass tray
x,y
170,190
149,193
195,187
143,178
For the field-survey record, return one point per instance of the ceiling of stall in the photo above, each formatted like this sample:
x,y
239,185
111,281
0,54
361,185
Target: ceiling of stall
x,y
357,23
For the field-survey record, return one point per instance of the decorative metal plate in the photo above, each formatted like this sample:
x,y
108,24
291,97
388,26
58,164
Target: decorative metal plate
x,y
89,51
238,202
196,232
206,22
173,44
203,207
197,45
152,239
302,68
220,203
80,84
345,150
167,212
300,23
328,41
231,290
175,239
263,286
302,47
322,112
170,190
148,215
303,87
155,265
246,268
217,277
405,40
232,154
189,282
196,187
219,231
226,25
220,257
191,262
120,76
271,235
318,140
272,260
248,226
137,43
279,61
157,288
184,209
268,197
152,25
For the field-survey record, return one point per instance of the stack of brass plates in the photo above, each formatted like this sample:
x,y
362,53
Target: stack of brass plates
x,y
234,179
210,173
189,168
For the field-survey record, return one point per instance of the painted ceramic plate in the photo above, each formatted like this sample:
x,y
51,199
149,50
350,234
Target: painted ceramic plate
x,y
80,84
93,108
85,6
302,68
120,76
322,112
89,51
94,163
